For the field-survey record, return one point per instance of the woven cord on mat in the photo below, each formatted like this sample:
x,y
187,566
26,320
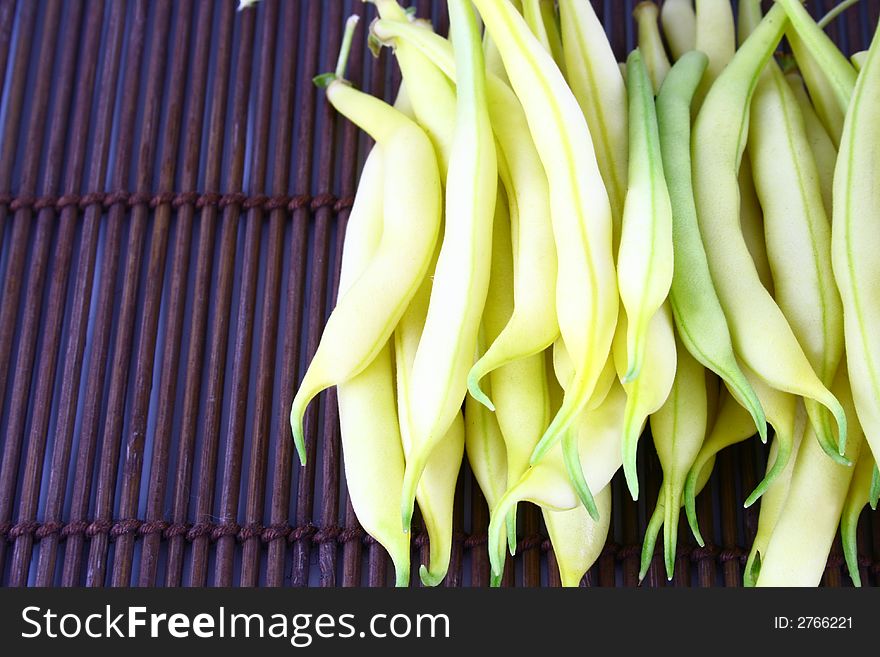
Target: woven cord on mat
x,y
170,249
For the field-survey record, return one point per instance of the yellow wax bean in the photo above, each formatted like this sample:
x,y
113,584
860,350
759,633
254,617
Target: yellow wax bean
x,y
698,314
679,22
773,501
858,59
855,243
798,549
431,95
645,259
646,394
751,219
461,279
369,430
678,428
541,18
858,495
824,151
716,37
750,14
597,82
651,43
577,539
547,483
436,490
732,426
796,227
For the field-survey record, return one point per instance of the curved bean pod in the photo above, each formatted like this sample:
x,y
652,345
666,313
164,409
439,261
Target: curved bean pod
x,y
751,221
748,17
486,452
547,483
586,294
597,82
855,242
824,151
821,92
411,221
733,424
797,230
541,18
657,519
651,43
648,393
645,260
795,223
699,317
461,279
431,95
858,59
761,335
772,502
436,490
577,539
797,552
679,22
857,497
564,370
716,37
678,428
520,387
369,429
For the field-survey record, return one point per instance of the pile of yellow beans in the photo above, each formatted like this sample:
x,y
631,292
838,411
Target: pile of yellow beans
x,y
550,250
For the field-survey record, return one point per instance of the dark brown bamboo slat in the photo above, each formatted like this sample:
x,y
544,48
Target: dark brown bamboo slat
x,y
88,439
245,313
456,559
480,569
197,327
331,456
833,576
651,476
57,297
7,15
252,548
179,274
631,552
11,128
144,356
32,302
18,249
79,313
864,548
530,546
295,290
115,412
554,580
706,565
729,504
223,301
316,307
